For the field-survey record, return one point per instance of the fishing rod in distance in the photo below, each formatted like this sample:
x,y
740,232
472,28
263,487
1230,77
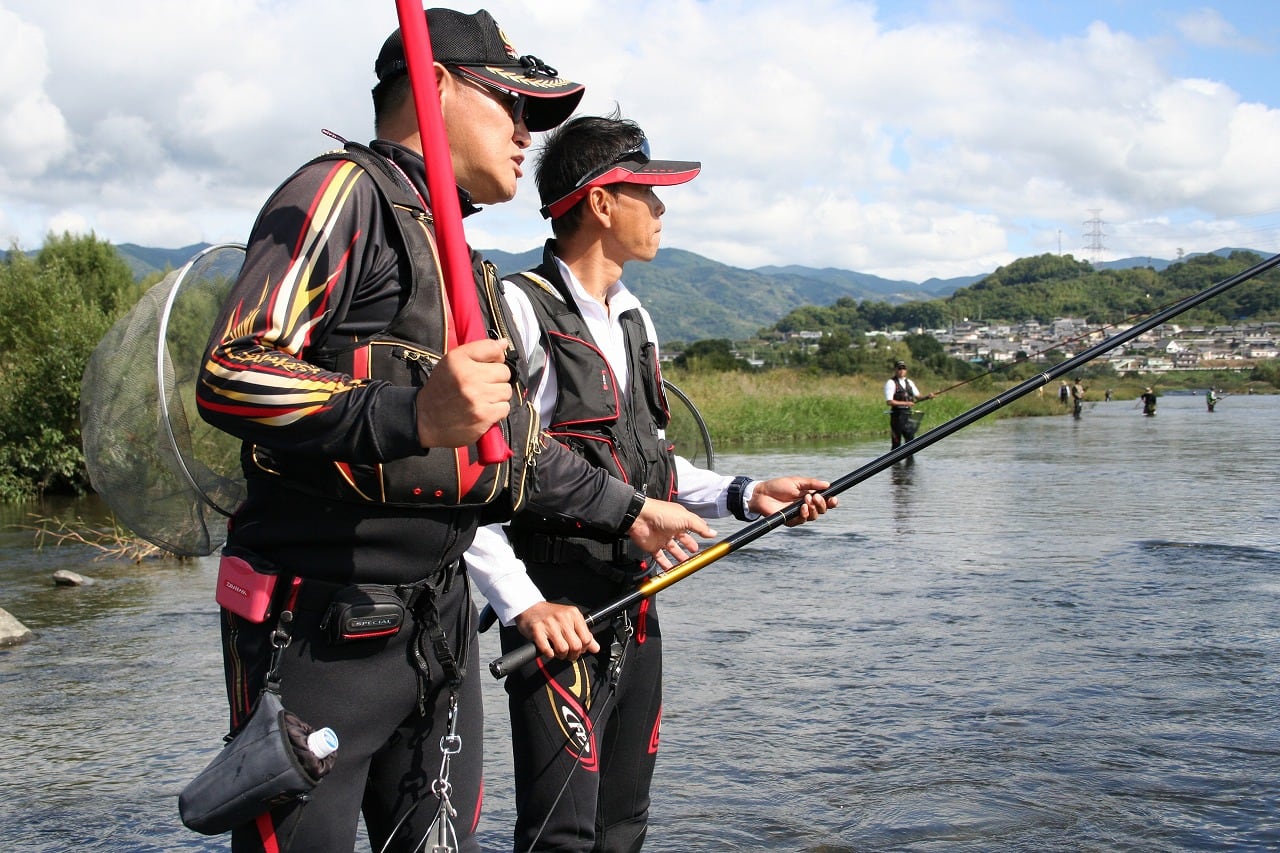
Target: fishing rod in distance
x,y
500,667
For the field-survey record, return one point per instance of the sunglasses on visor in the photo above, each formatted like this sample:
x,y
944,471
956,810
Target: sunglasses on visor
x,y
604,175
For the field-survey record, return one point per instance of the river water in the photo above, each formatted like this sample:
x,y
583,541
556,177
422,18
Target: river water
x,y
1043,634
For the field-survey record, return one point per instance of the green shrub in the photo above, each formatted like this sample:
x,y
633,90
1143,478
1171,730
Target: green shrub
x,y
54,308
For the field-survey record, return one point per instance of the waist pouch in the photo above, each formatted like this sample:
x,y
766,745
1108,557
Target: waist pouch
x,y
368,611
364,611
266,763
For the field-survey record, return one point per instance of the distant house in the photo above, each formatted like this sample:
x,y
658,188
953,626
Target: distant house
x,y
1127,363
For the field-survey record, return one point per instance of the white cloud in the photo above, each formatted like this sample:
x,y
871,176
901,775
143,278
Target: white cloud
x,y
33,133
1206,27
69,222
942,141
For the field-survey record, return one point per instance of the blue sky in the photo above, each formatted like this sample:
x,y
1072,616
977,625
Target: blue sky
x,y
1234,42
907,139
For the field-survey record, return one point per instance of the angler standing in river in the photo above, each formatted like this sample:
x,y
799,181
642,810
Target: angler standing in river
x,y
902,394
1148,402
1077,398
584,726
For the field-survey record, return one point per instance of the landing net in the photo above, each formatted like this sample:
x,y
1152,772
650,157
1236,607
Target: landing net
x,y
166,474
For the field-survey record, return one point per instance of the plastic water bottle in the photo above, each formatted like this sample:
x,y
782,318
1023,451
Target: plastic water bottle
x,y
322,742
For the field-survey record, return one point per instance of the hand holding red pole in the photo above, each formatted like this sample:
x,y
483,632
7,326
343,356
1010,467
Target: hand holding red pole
x,y
455,260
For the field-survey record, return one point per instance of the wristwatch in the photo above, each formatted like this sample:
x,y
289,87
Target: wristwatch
x,y
633,511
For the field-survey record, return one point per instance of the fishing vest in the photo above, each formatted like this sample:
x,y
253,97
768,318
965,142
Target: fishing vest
x,y
404,354
902,391
618,429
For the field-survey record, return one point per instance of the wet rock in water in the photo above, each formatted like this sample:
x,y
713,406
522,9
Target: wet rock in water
x,y
12,631
63,577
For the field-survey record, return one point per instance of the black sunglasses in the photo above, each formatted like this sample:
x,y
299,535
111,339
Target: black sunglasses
x,y
517,103
638,154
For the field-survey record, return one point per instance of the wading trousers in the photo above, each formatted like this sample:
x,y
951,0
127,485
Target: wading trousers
x,y
584,737
368,692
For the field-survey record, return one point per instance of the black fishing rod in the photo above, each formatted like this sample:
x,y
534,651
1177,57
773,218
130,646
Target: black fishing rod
x,y
753,531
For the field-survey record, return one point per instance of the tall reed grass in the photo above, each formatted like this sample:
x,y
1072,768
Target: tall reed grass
x,y
781,406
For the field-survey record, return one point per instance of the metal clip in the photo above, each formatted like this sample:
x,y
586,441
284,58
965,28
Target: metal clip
x,y
280,639
441,829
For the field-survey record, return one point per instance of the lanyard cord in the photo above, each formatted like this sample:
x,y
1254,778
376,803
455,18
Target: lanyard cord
x,y
446,836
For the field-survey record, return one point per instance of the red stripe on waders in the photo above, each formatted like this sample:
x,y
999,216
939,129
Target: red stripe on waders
x,y
267,828
267,833
642,621
475,821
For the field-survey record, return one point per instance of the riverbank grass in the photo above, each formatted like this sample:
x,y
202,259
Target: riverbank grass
x,y
793,405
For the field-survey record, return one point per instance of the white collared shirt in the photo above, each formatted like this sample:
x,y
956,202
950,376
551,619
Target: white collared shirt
x,y
891,387
497,572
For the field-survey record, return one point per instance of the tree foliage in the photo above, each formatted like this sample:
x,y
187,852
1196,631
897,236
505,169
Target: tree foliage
x,y
709,356
1046,287
54,308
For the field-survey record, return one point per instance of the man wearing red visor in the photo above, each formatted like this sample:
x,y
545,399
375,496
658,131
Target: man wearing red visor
x,y
584,724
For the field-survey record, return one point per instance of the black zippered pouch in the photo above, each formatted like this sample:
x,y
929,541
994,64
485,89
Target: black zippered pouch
x,y
363,612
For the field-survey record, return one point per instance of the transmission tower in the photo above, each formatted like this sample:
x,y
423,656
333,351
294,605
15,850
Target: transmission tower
x,y
1095,235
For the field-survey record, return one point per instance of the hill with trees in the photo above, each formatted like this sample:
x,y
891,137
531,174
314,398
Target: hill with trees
x,y
695,298
1049,286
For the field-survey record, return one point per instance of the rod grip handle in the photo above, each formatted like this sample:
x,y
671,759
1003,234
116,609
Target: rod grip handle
x,y
513,660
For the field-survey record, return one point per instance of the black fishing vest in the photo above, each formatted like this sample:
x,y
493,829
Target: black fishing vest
x,y
902,391
405,354
615,428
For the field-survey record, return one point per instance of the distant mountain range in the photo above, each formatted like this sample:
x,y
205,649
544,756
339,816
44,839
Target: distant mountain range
x,y
694,298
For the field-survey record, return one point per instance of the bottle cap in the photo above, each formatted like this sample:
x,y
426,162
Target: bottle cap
x,y
322,742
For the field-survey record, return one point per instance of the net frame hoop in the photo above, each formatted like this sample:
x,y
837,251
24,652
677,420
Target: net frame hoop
x,y
162,352
697,417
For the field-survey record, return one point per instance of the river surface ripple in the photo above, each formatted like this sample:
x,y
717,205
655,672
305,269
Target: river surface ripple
x,y
1044,634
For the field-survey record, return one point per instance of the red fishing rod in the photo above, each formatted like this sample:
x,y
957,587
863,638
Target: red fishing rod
x,y
455,259
753,531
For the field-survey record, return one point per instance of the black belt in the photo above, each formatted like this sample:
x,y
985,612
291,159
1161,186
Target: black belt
x,y
316,595
619,560
538,547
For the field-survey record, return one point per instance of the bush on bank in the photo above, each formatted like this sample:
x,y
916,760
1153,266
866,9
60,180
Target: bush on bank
x,y
54,308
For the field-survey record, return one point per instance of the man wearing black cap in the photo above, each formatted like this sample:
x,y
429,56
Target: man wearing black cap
x,y
901,394
585,725
336,363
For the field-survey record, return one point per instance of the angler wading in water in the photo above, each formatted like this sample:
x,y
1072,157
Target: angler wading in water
x,y
512,660
1148,400
584,725
361,478
902,394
